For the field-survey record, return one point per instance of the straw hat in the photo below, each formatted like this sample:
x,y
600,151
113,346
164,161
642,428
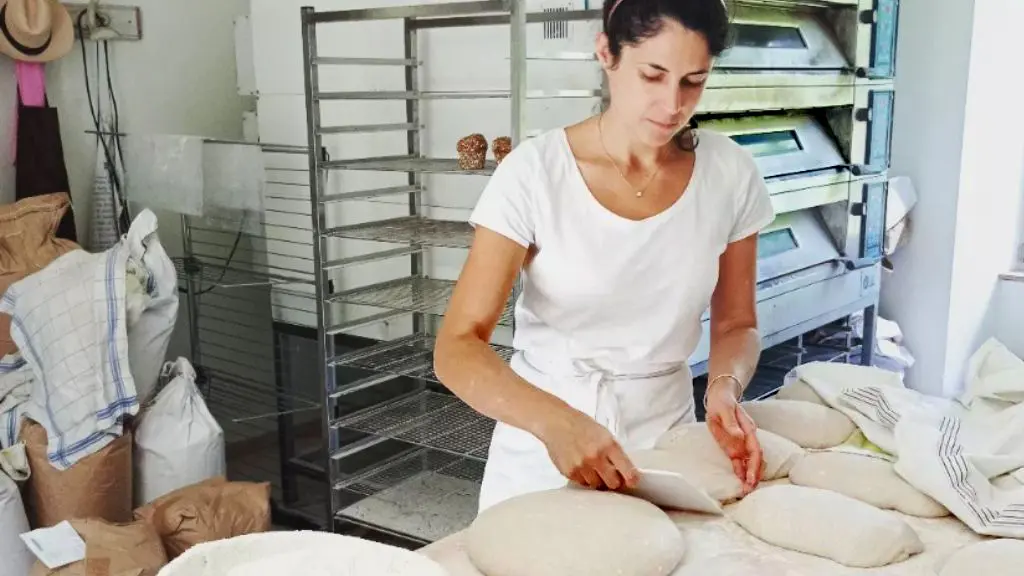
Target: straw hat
x,y
35,30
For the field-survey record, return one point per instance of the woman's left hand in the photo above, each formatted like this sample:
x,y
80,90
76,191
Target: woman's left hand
x,y
735,433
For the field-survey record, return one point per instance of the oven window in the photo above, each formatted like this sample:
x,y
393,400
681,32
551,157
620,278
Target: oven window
x,y
762,36
769,143
775,242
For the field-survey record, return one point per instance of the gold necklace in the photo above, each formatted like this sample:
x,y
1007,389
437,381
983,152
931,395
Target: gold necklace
x,y
639,192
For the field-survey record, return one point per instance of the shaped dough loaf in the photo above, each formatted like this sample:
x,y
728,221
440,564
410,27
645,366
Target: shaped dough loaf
x,y
809,425
698,448
567,531
867,479
1001,557
827,524
799,390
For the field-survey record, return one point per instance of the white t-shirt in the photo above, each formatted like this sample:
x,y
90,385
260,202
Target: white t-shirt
x,y
607,288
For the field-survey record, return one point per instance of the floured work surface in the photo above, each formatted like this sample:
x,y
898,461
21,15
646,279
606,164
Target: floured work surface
x,y
717,546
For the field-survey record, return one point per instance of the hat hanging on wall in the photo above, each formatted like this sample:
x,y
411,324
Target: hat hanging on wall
x,y
35,30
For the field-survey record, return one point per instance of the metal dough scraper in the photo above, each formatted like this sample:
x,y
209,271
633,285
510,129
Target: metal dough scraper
x,y
672,490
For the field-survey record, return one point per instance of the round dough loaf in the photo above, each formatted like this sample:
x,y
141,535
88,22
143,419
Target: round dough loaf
x,y
827,524
300,552
809,425
566,531
867,479
799,390
694,443
1003,556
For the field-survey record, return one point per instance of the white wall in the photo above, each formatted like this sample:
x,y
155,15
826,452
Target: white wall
x,y
1008,323
179,79
992,167
926,146
955,135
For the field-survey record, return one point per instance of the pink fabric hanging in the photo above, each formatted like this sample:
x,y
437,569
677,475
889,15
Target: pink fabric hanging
x,y
31,83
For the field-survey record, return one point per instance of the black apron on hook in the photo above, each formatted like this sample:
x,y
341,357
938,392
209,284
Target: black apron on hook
x,y
39,164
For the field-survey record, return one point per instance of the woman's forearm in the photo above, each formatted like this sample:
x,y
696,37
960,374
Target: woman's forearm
x,y
471,369
734,353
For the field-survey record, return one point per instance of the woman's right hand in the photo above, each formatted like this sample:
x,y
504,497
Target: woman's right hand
x,y
586,452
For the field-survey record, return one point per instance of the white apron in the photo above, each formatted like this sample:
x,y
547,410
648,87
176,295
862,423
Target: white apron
x,y
637,404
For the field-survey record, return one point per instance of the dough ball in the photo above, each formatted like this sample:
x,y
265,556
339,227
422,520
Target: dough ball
x,y
565,531
809,425
827,524
694,443
715,480
300,552
799,390
867,479
1000,557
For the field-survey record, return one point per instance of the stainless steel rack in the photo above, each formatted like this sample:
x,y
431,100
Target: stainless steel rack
x,y
410,435
402,456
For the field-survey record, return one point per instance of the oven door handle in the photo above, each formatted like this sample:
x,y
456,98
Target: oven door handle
x,y
853,264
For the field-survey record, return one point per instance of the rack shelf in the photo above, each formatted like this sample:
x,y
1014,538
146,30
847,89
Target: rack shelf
x,y
424,495
410,230
427,419
406,164
220,276
413,294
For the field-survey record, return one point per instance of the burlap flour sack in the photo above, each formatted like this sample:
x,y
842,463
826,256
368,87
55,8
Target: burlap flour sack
x,y
113,550
98,486
208,511
28,243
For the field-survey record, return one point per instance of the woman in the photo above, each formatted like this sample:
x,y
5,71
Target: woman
x,y
626,226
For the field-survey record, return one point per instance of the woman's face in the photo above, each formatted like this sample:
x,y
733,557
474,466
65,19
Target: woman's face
x,y
656,84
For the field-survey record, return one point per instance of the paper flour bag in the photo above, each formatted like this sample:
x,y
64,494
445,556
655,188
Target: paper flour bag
x,y
177,442
14,555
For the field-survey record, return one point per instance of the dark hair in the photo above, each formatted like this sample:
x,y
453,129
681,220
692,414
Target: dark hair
x,y
632,21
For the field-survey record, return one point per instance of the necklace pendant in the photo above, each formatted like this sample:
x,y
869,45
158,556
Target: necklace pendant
x,y
639,194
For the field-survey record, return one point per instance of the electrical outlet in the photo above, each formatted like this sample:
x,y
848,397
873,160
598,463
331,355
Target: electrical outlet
x,y
125,21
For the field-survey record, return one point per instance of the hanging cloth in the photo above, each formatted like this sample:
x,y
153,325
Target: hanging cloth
x,y
39,153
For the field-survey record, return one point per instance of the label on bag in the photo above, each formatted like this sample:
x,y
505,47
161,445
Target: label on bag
x,y
57,546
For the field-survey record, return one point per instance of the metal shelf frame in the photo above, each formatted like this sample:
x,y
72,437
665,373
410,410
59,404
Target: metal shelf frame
x,y
424,419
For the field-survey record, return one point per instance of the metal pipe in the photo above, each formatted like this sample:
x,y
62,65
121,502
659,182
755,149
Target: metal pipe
x,y
316,184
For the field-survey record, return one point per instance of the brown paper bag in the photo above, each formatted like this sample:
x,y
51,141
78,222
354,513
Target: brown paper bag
x,y
97,486
28,243
113,550
211,510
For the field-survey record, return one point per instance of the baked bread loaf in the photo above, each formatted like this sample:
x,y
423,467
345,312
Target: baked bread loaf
x,y
501,146
472,152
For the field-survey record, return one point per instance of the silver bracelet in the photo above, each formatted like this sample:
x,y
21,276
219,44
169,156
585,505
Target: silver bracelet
x,y
739,387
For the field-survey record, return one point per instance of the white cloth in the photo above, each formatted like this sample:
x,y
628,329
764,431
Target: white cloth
x,y
611,307
15,390
69,322
947,450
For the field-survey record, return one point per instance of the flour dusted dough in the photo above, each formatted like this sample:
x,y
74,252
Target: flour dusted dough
x,y
1000,557
827,524
799,390
867,479
300,552
572,531
695,444
809,425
